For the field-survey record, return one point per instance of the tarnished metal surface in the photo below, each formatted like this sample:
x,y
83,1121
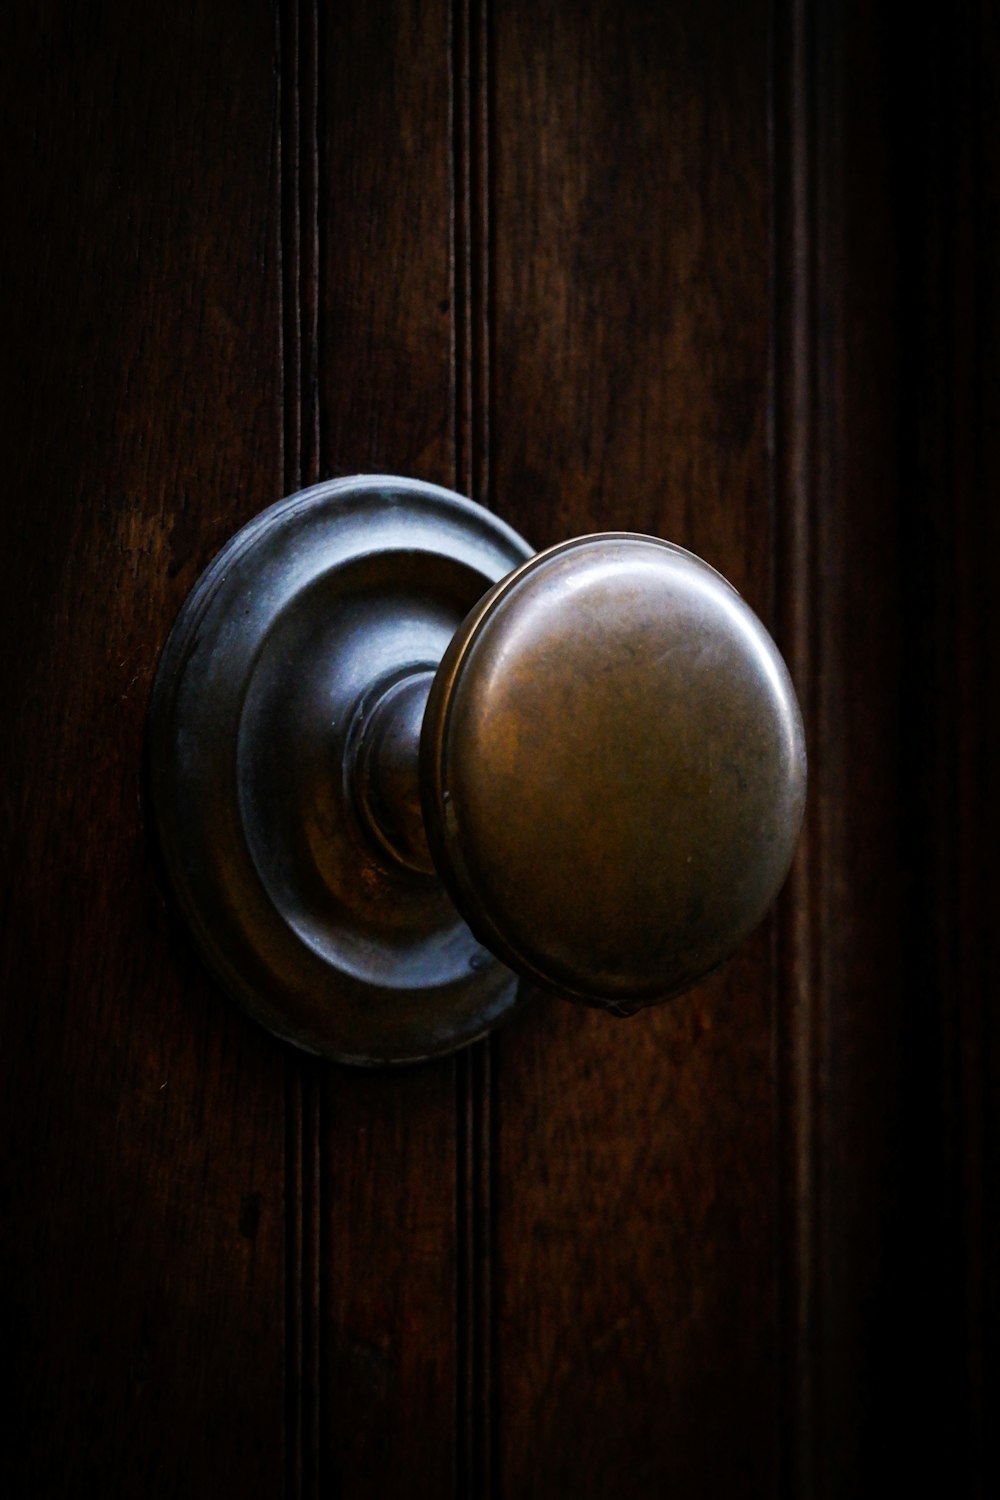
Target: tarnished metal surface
x,y
282,653
614,769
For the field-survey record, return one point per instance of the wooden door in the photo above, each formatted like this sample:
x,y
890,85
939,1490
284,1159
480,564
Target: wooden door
x,y
715,272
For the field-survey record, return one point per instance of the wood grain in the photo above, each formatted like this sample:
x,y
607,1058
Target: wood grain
x,y
472,127
142,1114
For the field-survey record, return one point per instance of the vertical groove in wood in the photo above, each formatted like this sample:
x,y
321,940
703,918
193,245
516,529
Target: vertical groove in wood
x,y
461,244
464,1281
309,146
474,1233
460,323
312,1280
299,170
479,195
471,252
299,167
288,163
471,351
314,1269
288,167
293,1280
481,1062
795,479
484,324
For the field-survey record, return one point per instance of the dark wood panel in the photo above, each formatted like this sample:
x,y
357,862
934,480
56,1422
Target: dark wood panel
x,y
636,1193
725,274
881,391
387,402
143,1116
386,376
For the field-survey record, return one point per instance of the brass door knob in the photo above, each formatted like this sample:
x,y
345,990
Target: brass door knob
x,y
395,760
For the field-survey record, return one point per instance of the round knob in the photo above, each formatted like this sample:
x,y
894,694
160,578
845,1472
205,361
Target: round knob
x,y
396,761
613,769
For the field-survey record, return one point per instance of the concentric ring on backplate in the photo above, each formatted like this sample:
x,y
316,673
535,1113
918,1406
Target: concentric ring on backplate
x,y
282,647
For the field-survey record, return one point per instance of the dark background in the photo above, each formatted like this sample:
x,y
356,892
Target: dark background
x,y
725,273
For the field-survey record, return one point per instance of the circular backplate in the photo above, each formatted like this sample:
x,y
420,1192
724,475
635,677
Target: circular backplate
x,y
280,651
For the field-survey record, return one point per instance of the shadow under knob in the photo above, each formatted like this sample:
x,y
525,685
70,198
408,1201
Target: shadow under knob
x,y
613,770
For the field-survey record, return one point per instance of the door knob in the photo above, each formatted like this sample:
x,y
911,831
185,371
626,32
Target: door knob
x,y
396,761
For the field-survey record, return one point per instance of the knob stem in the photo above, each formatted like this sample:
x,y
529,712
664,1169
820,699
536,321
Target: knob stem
x,y
386,771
